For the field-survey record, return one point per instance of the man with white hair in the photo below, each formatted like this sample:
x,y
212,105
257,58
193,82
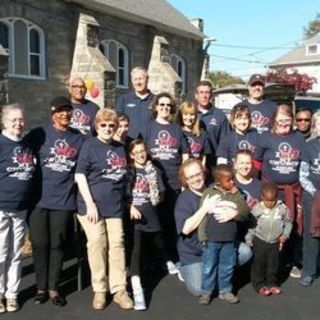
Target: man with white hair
x,y
136,103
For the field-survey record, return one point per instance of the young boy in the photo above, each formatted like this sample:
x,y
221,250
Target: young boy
x,y
218,239
273,227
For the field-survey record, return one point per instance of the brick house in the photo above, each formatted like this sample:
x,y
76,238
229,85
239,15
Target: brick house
x,y
99,40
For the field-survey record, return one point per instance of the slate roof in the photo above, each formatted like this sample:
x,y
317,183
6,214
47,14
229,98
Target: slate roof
x,y
298,55
157,13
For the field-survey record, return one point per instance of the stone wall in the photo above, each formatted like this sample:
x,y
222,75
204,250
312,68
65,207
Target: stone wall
x,y
59,20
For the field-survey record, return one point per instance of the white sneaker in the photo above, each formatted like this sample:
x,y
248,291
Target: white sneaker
x,y
12,305
139,301
172,269
180,276
295,272
2,307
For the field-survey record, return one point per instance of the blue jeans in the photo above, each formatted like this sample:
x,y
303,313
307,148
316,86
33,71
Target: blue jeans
x,y
191,274
218,261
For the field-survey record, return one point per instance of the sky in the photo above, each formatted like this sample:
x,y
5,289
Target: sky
x,y
267,28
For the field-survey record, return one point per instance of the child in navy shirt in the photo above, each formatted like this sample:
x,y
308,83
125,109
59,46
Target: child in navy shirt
x,y
144,188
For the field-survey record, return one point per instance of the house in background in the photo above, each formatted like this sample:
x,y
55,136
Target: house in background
x,y
100,40
304,59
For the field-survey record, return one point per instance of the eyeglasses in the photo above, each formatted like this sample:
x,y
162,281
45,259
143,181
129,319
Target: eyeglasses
x,y
196,175
78,87
107,125
15,120
303,119
284,121
165,104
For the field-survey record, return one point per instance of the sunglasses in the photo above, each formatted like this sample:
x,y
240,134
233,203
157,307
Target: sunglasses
x,y
165,104
303,119
106,125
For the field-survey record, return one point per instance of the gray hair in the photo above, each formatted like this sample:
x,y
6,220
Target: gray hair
x,y
139,68
6,109
314,119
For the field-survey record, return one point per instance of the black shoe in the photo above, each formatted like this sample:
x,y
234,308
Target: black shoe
x,y
58,301
41,297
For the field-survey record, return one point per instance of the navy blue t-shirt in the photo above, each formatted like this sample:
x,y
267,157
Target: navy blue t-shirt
x,y
261,114
105,166
198,145
141,200
189,247
17,167
280,156
57,153
139,112
234,141
83,117
215,124
251,191
311,155
166,144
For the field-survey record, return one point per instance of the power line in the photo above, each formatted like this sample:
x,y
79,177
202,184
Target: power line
x,y
248,47
237,59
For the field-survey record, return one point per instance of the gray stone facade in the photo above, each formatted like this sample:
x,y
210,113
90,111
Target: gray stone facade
x,y
60,21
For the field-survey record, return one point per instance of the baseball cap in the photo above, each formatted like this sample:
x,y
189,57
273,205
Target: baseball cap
x,y
256,78
59,103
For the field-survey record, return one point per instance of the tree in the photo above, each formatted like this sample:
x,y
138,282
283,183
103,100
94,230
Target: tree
x,y
301,82
221,79
313,27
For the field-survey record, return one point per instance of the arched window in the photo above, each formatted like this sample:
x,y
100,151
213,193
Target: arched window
x,y
25,44
179,66
118,56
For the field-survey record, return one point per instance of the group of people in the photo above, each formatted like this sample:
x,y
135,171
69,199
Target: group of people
x,y
136,178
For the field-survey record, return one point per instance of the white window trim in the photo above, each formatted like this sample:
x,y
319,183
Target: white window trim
x,y
11,67
105,44
183,77
312,45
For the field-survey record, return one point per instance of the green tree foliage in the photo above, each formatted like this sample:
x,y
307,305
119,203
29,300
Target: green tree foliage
x,y
221,79
313,27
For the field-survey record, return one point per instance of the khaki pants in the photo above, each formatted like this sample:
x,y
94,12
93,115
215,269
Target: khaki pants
x,y
105,253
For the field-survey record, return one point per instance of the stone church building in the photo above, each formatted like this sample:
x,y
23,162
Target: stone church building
x,y
100,40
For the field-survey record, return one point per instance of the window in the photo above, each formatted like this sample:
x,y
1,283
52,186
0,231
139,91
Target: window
x,y
25,44
118,56
312,49
179,66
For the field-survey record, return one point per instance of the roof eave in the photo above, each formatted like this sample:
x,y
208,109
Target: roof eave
x,y
138,19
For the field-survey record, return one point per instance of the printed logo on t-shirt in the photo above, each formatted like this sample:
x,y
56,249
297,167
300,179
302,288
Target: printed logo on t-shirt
x,y
246,145
315,167
24,159
287,159
130,105
166,146
116,166
140,192
195,147
213,122
259,121
60,156
80,121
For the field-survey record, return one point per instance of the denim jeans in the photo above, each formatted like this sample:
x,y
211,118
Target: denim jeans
x,y
191,274
218,261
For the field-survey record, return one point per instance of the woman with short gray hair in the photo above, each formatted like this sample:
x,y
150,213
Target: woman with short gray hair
x,y
310,181
16,173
